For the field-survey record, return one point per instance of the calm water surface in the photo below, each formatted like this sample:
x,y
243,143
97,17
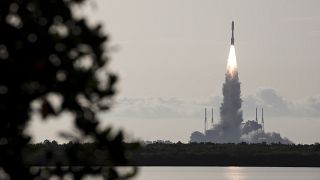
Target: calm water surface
x,y
227,173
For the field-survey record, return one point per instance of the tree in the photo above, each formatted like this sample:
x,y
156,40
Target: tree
x,y
45,51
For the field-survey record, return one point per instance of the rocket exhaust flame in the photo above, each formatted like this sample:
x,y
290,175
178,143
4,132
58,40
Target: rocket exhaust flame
x,y
232,62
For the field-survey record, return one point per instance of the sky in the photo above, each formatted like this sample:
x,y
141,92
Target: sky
x,y
171,55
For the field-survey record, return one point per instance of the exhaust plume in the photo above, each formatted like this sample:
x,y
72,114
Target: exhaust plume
x,y
232,61
230,110
229,128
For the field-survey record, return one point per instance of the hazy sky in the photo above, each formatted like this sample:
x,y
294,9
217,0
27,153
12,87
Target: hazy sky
x,y
179,47
172,55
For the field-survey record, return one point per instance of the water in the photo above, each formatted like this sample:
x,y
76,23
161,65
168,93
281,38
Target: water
x,y
228,173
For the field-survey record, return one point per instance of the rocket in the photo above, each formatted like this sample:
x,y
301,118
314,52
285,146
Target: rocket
x,y
232,37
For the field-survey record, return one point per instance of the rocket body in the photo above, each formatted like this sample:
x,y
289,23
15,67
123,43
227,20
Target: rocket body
x,y
232,37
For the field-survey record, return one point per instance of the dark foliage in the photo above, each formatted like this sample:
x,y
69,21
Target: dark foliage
x,y
194,154
84,154
45,51
210,154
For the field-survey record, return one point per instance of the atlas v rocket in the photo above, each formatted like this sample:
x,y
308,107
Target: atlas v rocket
x,y
232,37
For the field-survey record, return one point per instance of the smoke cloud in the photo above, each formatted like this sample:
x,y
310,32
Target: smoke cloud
x,y
230,110
229,128
259,136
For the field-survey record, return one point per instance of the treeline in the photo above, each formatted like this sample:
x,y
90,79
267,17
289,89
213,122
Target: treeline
x,y
209,154
77,154
178,154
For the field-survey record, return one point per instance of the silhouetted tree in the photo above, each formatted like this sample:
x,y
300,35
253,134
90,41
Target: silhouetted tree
x,y
46,51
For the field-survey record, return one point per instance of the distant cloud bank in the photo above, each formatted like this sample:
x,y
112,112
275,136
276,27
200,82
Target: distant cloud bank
x,y
276,105
273,103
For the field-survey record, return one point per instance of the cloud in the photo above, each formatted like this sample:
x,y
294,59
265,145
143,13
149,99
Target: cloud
x,y
156,108
308,107
274,104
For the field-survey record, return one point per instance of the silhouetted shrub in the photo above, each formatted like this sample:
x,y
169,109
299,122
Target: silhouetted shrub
x,y
46,52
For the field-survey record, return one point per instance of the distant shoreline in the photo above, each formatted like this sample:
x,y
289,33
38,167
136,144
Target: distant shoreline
x,y
178,154
255,155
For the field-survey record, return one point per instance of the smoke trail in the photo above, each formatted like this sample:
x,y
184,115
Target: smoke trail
x,y
230,110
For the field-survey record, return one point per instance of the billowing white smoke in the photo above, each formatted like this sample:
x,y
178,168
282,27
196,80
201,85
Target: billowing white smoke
x,y
228,131
230,110
259,136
